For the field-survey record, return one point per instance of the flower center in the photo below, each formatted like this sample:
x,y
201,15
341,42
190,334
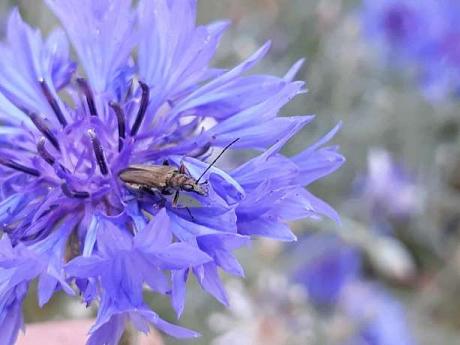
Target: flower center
x,y
81,147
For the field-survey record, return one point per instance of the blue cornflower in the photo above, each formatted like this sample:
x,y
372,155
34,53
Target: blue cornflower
x,y
142,95
388,188
332,276
395,23
328,268
422,33
377,317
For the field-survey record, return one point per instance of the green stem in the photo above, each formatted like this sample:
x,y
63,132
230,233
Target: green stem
x,y
130,336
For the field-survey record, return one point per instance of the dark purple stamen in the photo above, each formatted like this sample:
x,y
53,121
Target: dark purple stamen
x,y
84,87
121,123
72,193
16,166
44,129
98,152
6,229
142,109
53,103
43,152
200,151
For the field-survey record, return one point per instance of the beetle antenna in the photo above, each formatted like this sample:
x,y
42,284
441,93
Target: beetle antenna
x,y
216,159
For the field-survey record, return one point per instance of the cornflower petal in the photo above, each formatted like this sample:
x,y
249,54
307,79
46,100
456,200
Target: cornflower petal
x,y
174,56
27,60
102,34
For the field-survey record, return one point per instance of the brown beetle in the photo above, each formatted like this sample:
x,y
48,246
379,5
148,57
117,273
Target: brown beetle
x,y
166,179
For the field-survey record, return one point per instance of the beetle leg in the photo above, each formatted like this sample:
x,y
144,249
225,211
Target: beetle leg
x,y
167,192
190,213
162,203
176,199
145,190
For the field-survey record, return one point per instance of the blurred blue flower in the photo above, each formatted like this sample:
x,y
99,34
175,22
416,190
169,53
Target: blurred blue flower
x,y
377,317
330,266
396,23
424,33
388,188
332,276
148,97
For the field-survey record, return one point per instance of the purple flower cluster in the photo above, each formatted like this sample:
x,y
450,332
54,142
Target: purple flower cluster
x,y
333,279
425,33
329,266
388,188
143,93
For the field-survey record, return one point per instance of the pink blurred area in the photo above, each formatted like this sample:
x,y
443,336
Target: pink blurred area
x,y
69,333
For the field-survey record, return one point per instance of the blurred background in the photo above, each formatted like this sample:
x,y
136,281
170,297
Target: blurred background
x,y
389,274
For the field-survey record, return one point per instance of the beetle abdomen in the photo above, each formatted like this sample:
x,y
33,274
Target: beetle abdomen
x,y
149,176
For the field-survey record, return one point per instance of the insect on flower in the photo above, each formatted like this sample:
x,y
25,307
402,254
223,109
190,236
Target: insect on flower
x,y
79,139
165,179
